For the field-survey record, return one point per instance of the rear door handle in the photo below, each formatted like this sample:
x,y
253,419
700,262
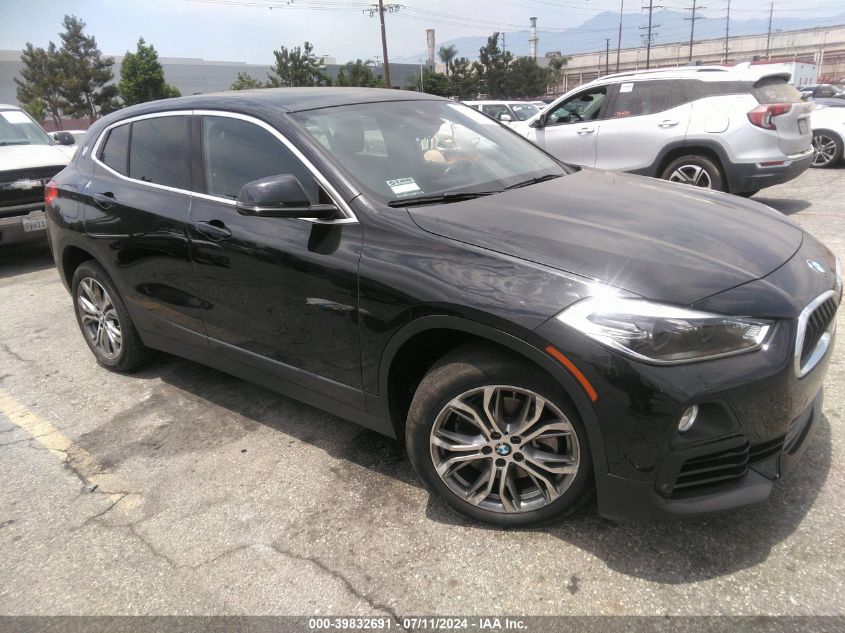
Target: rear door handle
x,y
104,200
213,229
586,130
667,123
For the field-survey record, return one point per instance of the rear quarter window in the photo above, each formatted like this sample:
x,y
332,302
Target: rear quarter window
x,y
115,152
775,90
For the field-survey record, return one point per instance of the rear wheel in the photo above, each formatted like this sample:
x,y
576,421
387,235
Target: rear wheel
x,y
828,148
104,320
498,441
695,170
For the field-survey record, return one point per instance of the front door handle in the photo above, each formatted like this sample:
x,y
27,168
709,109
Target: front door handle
x,y
666,123
213,229
586,130
104,200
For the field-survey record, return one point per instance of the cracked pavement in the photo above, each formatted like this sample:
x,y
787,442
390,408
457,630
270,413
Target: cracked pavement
x,y
181,490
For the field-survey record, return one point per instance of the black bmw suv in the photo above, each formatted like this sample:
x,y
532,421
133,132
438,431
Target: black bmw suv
x,y
534,332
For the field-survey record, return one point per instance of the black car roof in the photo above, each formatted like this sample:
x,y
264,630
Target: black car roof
x,y
287,99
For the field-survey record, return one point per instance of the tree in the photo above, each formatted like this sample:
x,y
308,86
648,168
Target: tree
x,y
464,79
297,67
525,78
436,83
555,70
358,73
446,55
142,77
87,73
35,109
245,81
42,79
492,67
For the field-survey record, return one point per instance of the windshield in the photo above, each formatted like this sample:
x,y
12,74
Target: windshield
x,y
524,111
16,128
413,149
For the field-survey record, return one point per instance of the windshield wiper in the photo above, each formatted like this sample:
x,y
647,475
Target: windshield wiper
x,y
443,198
14,142
533,181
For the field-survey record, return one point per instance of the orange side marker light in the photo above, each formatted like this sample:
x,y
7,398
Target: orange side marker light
x,y
581,378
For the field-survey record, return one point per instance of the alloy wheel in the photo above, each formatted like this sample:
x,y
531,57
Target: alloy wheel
x,y
98,317
692,175
504,449
825,148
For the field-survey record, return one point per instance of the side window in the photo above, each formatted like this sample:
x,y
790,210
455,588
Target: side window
x,y
495,110
584,106
637,98
159,151
236,152
115,152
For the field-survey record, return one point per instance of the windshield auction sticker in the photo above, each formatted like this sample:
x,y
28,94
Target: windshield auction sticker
x,y
402,187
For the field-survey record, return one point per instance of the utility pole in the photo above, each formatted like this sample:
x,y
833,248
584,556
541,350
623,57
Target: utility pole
x,y
727,31
619,41
607,56
651,26
692,20
504,46
381,8
769,36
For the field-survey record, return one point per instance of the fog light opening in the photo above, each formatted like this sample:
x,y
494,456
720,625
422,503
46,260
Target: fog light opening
x,y
688,419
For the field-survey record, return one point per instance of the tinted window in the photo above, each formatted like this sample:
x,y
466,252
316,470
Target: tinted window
x,y
116,149
648,97
775,90
698,89
159,151
236,152
585,106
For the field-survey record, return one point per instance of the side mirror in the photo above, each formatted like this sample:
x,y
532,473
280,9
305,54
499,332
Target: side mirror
x,y
505,118
280,196
540,121
64,138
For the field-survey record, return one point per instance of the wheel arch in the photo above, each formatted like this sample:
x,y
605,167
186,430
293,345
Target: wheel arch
x,y
397,386
837,136
72,255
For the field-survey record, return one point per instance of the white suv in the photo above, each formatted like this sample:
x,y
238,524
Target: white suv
x,y
28,159
731,129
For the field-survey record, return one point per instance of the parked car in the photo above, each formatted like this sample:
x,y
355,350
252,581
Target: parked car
x,y
28,159
714,127
829,102
68,137
828,135
822,90
506,111
533,331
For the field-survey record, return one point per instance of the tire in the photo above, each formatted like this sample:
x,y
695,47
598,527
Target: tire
x,y
104,320
828,147
748,194
464,378
695,170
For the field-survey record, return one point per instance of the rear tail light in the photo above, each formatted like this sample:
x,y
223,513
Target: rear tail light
x,y
763,115
51,192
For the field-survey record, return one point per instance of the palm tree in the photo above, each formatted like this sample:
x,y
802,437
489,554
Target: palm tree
x,y
446,55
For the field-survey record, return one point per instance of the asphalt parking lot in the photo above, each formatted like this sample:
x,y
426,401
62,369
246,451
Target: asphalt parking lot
x,y
181,490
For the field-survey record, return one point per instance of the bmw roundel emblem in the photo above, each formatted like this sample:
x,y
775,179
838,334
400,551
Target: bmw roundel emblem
x,y
503,449
814,265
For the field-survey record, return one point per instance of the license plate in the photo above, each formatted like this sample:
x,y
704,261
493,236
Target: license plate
x,y
802,126
35,221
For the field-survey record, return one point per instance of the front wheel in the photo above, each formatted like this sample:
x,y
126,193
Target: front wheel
x,y
498,441
698,171
827,147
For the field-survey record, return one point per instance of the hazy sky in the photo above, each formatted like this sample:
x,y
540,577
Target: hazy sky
x,y
250,30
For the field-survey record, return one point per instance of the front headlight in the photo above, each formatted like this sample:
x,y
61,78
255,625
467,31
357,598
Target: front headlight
x,y
663,334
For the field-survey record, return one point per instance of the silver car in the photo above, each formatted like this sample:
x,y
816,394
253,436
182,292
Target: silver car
x,y
730,129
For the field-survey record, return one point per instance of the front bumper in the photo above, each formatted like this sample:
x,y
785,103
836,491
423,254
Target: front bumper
x,y
755,469
745,177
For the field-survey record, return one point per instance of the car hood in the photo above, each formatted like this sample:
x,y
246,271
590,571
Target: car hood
x,y
24,156
661,240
